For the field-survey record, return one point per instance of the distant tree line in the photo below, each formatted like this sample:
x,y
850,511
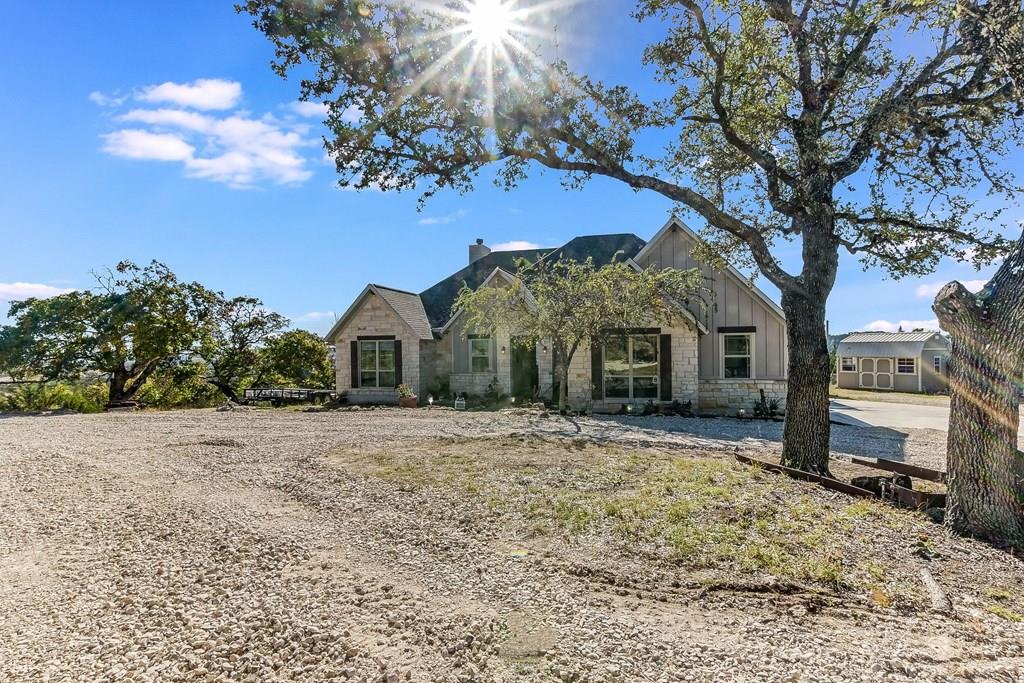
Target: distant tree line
x,y
146,335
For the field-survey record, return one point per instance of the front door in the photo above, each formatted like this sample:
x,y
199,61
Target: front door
x,y
876,373
525,377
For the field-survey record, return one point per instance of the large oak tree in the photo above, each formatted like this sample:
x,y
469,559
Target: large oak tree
x,y
986,467
870,126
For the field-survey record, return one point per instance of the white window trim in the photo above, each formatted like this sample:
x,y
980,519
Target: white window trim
x,y
909,374
376,344
753,355
490,354
937,363
856,365
629,355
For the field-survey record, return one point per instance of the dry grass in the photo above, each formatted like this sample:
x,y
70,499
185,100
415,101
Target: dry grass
x,y
888,397
703,513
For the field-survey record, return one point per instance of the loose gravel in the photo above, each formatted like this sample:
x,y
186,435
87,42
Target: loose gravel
x,y
209,546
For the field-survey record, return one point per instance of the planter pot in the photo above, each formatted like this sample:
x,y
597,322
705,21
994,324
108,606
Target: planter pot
x,y
407,401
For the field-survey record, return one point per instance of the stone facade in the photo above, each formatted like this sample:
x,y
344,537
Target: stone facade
x,y
375,318
728,396
684,375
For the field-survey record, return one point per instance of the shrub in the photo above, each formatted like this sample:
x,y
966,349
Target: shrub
x,y
81,398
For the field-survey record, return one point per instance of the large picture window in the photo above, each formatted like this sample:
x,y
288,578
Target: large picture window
x,y
480,354
377,363
737,356
631,366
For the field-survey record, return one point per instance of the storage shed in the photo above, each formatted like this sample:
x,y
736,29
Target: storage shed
x,y
913,362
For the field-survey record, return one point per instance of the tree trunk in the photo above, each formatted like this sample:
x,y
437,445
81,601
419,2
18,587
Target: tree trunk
x,y
985,466
805,440
563,388
116,392
225,389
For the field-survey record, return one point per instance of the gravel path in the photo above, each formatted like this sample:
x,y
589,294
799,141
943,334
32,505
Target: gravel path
x,y
204,546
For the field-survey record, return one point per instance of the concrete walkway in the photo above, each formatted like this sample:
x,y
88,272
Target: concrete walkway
x,y
893,415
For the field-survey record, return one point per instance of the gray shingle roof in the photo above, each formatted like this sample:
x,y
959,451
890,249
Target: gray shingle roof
x,y
409,307
438,299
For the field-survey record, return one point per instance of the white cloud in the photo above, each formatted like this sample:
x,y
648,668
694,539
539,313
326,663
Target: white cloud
x,y
930,289
235,149
906,325
204,93
18,291
316,315
515,245
311,109
104,100
443,220
142,144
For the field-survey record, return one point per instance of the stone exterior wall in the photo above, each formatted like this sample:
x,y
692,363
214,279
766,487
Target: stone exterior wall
x,y
685,369
475,383
435,366
727,396
375,317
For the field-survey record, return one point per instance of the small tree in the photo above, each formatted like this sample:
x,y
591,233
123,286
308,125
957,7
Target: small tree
x,y
136,320
568,303
986,468
296,358
234,345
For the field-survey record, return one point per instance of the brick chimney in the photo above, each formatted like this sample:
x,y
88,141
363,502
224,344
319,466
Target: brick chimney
x,y
478,251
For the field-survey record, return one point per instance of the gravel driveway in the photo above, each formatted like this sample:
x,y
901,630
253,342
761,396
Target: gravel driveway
x,y
203,546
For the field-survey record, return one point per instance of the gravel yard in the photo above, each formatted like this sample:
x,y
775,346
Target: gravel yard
x,y
387,545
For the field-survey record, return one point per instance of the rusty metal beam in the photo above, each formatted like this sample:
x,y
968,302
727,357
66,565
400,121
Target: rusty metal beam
x,y
826,482
899,467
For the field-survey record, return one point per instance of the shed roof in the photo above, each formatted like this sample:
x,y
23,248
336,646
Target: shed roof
x,y
886,344
886,337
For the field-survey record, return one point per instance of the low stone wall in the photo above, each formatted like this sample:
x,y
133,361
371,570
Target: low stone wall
x,y
473,383
727,396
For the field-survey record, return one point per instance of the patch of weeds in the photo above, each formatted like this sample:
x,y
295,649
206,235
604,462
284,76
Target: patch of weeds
x,y
998,593
1005,613
572,514
875,571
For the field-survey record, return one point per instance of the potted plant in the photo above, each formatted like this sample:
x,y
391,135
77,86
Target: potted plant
x,y
406,397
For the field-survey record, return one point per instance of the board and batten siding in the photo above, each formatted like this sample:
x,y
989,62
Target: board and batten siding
x,y
734,305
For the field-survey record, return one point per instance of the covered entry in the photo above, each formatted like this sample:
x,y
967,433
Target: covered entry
x,y
876,373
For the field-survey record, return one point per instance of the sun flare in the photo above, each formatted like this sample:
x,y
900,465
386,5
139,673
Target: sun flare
x,y
490,21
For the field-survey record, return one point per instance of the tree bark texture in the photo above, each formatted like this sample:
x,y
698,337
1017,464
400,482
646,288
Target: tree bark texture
x,y
807,429
985,465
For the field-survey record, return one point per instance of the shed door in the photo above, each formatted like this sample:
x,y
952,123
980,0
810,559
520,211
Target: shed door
x,y
876,373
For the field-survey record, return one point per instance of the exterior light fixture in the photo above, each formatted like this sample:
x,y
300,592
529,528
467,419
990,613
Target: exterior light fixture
x,y
503,350
545,347
629,408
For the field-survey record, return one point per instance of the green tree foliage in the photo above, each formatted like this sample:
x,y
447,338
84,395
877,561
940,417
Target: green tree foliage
x,y
296,358
235,340
138,319
567,303
41,396
870,127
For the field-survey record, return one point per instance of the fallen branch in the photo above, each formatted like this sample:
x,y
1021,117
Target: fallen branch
x,y
940,603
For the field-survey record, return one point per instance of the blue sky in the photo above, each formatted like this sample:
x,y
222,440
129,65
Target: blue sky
x,y
248,205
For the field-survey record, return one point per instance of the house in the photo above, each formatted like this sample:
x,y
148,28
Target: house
x,y
893,361
718,359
